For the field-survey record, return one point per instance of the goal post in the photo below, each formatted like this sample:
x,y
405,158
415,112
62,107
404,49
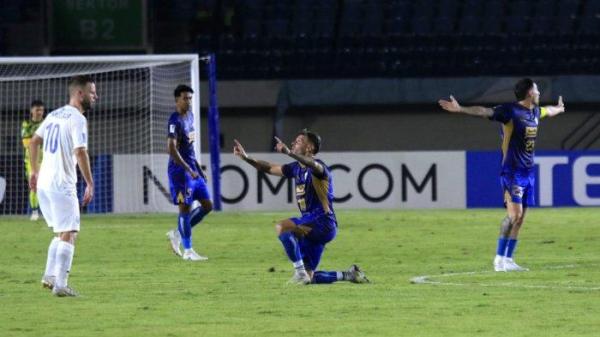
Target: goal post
x,y
127,128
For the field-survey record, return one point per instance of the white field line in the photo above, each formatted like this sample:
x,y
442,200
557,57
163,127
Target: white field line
x,y
434,280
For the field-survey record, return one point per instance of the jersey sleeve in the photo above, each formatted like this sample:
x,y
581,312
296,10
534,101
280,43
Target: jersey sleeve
x,y
502,113
79,133
543,112
288,170
173,128
40,130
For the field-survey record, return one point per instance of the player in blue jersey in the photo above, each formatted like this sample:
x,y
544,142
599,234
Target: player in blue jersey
x,y
304,238
519,132
187,181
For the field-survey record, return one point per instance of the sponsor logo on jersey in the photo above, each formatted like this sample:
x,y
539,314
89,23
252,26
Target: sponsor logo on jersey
x,y
300,189
530,131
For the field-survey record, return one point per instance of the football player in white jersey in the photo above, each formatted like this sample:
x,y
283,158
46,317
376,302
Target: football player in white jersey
x,y
63,136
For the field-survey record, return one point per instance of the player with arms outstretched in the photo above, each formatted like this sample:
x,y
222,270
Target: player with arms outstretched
x,y
519,132
304,238
186,179
28,127
64,137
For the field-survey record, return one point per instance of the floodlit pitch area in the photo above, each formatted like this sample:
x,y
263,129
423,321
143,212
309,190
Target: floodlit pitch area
x,y
430,271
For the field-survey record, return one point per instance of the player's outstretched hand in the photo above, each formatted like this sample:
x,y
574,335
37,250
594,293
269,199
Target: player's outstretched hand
x,y
281,147
451,105
302,230
33,181
238,150
203,175
88,195
193,174
561,104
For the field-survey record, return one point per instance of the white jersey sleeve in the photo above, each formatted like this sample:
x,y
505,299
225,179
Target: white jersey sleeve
x,y
40,130
79,132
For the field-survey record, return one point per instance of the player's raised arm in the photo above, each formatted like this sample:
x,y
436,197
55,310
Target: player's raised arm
x,y
261,165
453,106
305,160
553,110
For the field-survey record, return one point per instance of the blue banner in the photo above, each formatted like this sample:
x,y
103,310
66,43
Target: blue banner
x,y
563,178
102,173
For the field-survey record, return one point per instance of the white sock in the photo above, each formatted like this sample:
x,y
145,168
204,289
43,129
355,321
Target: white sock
x,y
64,259
299,266
50,261
340,276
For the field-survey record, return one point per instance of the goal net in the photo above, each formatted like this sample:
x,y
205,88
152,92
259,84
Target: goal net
x,y
127,128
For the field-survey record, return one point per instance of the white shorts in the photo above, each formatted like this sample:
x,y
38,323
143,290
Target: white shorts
x,y
61,210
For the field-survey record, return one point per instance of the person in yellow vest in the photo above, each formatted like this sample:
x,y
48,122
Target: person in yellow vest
x,y
27,130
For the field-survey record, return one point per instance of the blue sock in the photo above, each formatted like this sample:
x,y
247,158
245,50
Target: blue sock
x,y
501,250
510,247
325,277
290,244
185,229
197,215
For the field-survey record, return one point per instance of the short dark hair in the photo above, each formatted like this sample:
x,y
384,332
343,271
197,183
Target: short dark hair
x,y
182,88
80,81
522,88
314,138
36,102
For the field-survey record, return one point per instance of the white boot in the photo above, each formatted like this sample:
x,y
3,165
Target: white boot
x,y
175,239
191,255
499,263
510,265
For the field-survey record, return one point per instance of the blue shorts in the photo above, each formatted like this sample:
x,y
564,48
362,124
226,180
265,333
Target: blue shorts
x,y
323,230
519,187
185,189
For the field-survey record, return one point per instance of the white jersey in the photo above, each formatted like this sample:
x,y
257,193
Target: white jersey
x,y
63,130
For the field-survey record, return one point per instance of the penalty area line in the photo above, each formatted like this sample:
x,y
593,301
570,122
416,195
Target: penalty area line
x,y
434,280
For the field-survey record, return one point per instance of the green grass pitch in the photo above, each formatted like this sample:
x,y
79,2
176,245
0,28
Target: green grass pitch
x,y
132,285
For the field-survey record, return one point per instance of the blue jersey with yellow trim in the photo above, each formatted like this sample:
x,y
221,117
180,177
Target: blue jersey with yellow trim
x,y
181,127
314,194
519,133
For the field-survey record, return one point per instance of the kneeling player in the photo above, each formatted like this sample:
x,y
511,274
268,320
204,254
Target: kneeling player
x,y
304,238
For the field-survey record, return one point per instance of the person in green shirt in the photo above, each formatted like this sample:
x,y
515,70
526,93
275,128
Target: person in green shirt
x,y
27,129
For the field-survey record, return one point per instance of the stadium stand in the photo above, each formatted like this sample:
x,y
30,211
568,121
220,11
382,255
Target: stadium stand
x,y
282,39
356,38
